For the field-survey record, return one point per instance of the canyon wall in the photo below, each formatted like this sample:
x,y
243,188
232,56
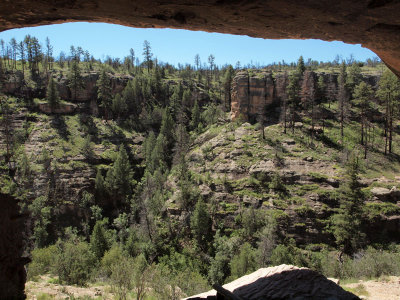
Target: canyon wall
x,y
13,84
259,95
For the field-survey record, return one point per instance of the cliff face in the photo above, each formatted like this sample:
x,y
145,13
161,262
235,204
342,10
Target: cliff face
x,y
253,95
16,86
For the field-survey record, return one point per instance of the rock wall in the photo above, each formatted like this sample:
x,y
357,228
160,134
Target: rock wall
x,y
13,84
12,270
253,95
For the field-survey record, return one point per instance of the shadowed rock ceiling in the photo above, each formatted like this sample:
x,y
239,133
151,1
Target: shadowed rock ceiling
x,y
375,24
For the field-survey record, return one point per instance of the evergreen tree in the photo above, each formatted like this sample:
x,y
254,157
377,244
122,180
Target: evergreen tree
x,y
148,146
227,83
147,55
389,93
346,225
122,173
342,97
119,107
195,121
244,262
99,185
300,66
75,79
104,93
363,96
354,77
52,96
201,224
98,241
293,95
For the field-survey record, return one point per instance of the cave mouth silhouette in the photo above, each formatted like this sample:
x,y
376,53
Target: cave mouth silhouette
x,y
375,24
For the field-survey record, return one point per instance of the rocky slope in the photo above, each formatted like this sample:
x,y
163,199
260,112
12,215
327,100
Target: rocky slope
x,y
236,171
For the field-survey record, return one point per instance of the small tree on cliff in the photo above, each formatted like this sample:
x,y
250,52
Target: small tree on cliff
x,y
75,79
104,92
52,96
343,97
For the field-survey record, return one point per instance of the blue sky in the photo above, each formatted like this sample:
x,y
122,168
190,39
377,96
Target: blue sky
x,y
180,46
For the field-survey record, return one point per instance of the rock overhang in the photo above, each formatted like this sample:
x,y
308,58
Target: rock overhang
x,y
375,24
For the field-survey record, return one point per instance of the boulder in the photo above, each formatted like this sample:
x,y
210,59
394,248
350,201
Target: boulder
x,y
281,282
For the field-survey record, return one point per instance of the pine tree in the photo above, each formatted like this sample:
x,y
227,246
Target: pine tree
x,y
346,225
122,173
104,94
342,97
201,224
98,241
227,83
52,96
99,185
119,107
389,92
354,77
75,79
300,66
195,121
293,95
363,96
147,55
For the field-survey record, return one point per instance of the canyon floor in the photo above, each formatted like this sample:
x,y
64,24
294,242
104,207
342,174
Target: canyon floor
x,y
384,288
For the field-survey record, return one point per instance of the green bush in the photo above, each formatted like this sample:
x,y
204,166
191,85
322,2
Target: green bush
x,y
111,257
74,261
42,261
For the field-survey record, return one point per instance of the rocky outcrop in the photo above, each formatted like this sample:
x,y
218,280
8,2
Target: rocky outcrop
x,y
253,96
374,24
62,108
386,195
12,270
13,84
281,282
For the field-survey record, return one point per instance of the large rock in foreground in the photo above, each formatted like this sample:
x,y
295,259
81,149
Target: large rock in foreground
x,y
282,282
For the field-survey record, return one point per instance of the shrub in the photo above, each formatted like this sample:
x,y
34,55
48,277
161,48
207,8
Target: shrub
x,y
74,261
42,261
111,257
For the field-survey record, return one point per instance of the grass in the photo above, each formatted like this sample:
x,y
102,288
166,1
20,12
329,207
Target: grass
x,y
358,290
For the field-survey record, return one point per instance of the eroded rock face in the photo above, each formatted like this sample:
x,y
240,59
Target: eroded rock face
x,y
14,85
253,96
374,24
12,270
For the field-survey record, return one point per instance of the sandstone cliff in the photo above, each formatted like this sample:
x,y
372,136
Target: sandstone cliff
x,y
255,95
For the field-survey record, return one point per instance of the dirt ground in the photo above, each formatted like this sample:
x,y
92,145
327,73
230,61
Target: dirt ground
x,y
44,286
387,288
383,289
